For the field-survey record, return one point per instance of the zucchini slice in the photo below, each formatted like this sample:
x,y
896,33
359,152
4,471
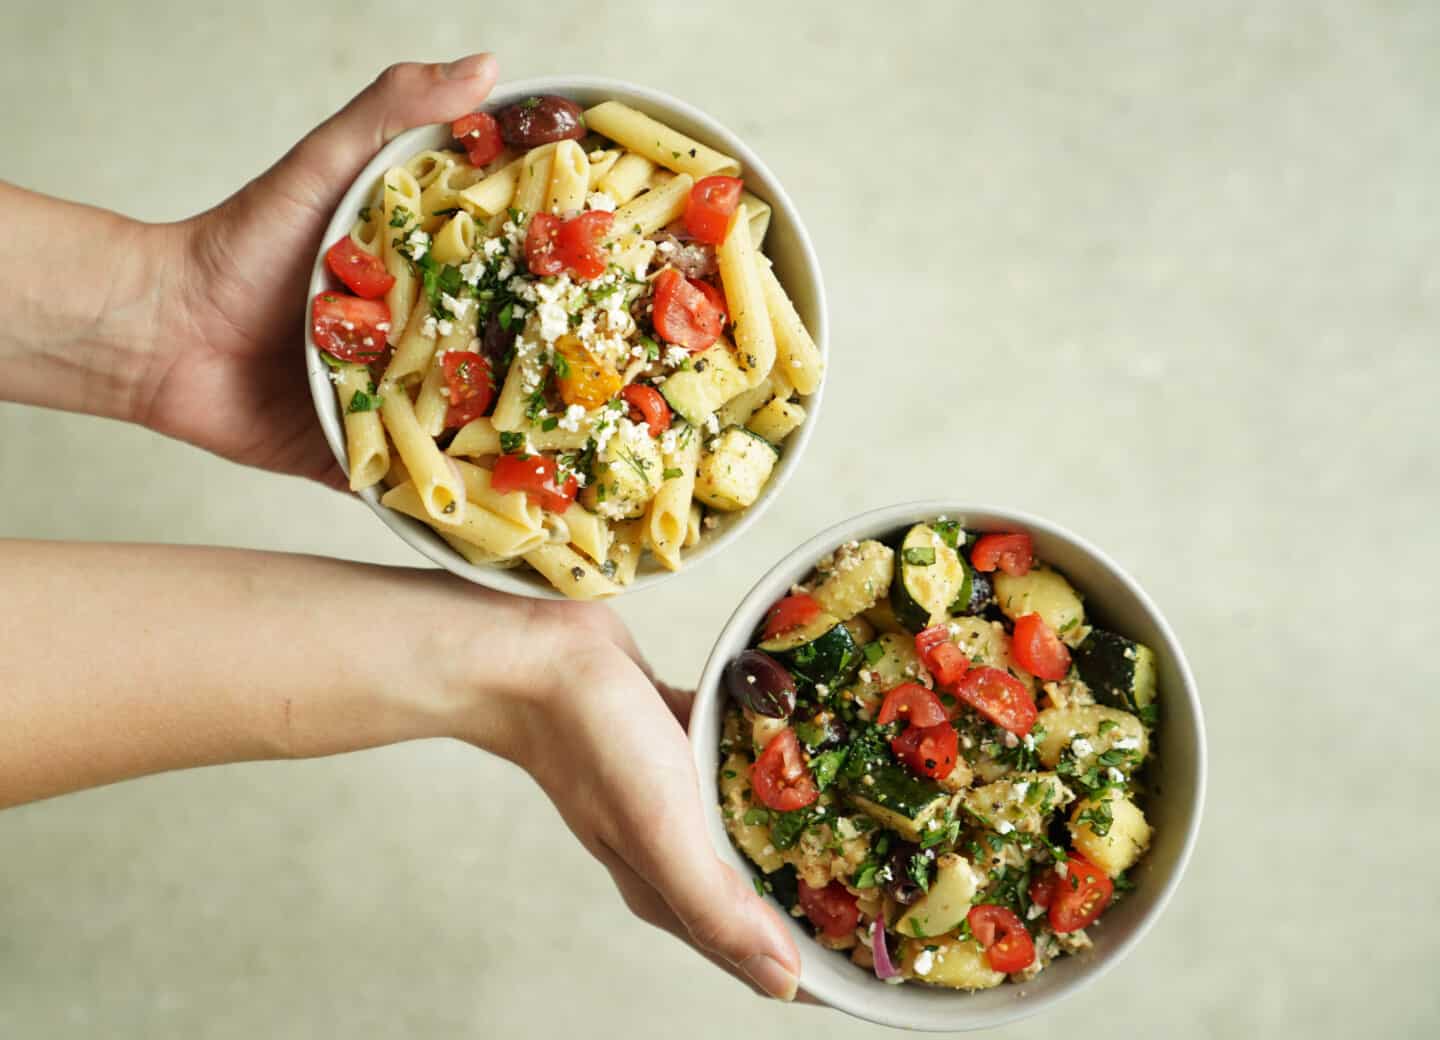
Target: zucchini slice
x,y
831,657
930,579
897,798
1119,671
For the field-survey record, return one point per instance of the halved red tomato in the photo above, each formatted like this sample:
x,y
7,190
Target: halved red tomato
x,y
1080,896
945,661
647,405
789,614
479,134
912,702
348,327
832,910
362,272
683,314
467,376
534,475
542,252
711,204
578,243
1000,697
928,750
1037,648
1012,553
1008,946
780,777
714,294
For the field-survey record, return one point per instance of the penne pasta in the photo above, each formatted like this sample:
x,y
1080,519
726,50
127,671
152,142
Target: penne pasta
x,y
415,347
737,410
745,297
694,527
759,211
480,527
399,218
626,548
777,419
455,240
435,478
430,165
652,210
627,178
668,519
659,143
570,572
796,356
601,163
588,532
491,195
366,451
475,439
534,179
569,180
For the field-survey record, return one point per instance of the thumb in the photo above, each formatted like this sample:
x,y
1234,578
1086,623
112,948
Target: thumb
x,y
322,166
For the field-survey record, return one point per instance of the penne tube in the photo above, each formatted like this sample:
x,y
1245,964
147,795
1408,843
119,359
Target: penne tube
x,y
397,474
626,548
534,179
429,165
588,533
570,572
737,410
433,403
601,163
415,347
514,506
455,240
435,478
366,451
476,438
755,347
657,142
668,519
759,211
365,232
480,527
569,180
694,528
627,178
797,358
652,211
476,555
491,195
399,216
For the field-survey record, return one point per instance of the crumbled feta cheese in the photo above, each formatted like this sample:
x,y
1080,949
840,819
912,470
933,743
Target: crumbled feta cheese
x,y
1029,742
1080,746
1127,744
1003,826
1011,740
1115,775
666,246
429,326
676,356
1021,788
571,419
599,200
419,243
924,962
1036,910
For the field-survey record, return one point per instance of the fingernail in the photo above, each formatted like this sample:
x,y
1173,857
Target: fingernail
x,y
767,973
467,68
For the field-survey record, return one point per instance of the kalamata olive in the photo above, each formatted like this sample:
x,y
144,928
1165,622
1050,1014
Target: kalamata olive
x,y
692,259
540,120
759,682
901,884
497,341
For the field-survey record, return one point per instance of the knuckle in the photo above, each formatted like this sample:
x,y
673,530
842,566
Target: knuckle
x,y
398,75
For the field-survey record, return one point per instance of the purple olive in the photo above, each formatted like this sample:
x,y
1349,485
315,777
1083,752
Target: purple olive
x,y
540,120
759,682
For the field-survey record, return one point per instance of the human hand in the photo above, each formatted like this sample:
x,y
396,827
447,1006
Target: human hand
x,y
230,378
607,744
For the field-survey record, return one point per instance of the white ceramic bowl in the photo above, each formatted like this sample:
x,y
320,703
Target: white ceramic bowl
x,y
1112,599
786,243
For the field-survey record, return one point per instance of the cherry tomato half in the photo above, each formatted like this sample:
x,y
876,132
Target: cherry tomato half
x,y
479,134
1000,697
578,243
1080,896
945,661
1008,946
348,327
832,910
928,750
362,272
647,405
1037,648
780,777
1012,553
711,204
542,253
789,614
715,295
911,701
534,475
683,314
467,376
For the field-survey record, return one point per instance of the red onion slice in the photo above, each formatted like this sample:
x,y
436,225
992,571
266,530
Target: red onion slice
x,y
884,967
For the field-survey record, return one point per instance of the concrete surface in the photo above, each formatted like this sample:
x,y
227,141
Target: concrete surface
x,y
1169,274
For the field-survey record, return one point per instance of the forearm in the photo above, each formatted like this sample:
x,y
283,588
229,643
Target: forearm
x,y
81,290
124,660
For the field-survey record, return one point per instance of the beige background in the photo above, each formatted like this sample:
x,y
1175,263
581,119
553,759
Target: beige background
x,y
1169,274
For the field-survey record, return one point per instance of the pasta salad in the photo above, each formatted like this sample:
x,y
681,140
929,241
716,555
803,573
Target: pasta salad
x,y
560,344
935,759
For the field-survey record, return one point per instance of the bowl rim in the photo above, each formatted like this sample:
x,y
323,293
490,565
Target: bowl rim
x,y
659,104
853,998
